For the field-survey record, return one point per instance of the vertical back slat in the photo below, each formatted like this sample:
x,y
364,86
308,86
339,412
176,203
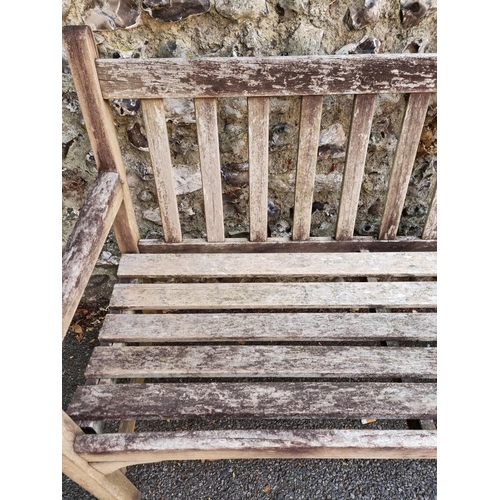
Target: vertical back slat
x,y
82,53
430,228
208,144
156,130
359,135
258,149
310,121
416,109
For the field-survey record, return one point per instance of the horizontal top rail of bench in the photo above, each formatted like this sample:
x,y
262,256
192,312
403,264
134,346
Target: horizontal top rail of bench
x,y
267,76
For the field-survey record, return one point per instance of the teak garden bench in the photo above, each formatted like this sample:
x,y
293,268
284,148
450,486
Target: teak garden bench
x,y
312,357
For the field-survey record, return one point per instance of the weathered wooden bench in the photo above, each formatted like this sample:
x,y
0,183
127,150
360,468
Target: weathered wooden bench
x,y
284,343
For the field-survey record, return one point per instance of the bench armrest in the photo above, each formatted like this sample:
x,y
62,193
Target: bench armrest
x,y
87,239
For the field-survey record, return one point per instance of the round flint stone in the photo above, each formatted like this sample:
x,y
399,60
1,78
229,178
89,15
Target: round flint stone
x,y
170,11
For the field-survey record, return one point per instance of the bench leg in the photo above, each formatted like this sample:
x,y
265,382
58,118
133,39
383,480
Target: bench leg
x,y
114,486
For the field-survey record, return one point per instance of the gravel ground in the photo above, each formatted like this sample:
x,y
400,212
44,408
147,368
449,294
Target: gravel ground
x,y
254,479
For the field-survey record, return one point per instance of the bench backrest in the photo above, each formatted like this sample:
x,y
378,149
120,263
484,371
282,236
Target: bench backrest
x,y
206,79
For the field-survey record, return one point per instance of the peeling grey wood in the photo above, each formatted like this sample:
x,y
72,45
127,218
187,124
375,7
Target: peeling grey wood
x,y
255,400
95,426
359,136
424,424
258,153
81,51
251,444
430,228
273,295
270,76
416,109
285,244
208,144
274,327
156,130
261,361
428,425
310,121
86,240
372,279
395,264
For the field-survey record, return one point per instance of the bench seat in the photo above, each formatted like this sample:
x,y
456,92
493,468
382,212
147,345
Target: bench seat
x,y
306,345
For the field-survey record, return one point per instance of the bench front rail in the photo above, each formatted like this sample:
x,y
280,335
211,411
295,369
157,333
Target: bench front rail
x,y
340,327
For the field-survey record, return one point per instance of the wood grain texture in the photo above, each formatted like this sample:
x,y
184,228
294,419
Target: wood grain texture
x,y
261,361
93,426
428,425
267,76
255,400
275,327
373,279
208,144
273,295
423,424
359,136
156,130
81,52
86,240
395,264
251,444
430,228
97,426
258,154
406,150
128,425
285,244
109,485
310,121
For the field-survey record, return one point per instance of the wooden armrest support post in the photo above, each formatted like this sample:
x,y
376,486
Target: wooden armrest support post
x,y
82,52
113,486
87,239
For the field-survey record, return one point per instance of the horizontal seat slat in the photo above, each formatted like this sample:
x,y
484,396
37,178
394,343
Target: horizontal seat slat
x,y
402,264
269,76
129,449
261,361
254,400
274,295
268,327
